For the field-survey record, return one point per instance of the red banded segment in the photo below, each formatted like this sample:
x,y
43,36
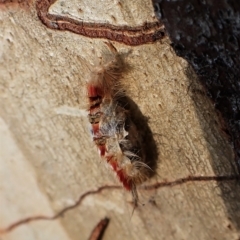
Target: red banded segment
x,y
94,91
120,173
95,116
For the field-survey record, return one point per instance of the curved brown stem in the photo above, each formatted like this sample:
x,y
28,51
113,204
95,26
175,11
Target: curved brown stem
x,y
98,231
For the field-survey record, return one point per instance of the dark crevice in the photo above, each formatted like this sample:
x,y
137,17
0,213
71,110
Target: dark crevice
x,y
207,35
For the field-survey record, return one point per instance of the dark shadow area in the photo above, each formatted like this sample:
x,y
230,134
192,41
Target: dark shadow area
x,y
230,190
207,35
136,125
148,147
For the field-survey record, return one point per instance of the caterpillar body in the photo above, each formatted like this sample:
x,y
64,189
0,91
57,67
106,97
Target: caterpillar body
x,y
114,133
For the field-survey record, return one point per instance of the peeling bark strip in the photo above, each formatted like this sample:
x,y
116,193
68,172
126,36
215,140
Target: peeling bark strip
x,y
106,187
133,36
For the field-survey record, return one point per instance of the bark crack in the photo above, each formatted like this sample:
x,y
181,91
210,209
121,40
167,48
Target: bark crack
x,y
158,185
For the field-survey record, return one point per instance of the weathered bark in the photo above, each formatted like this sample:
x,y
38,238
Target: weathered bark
x,y
47,156
207,35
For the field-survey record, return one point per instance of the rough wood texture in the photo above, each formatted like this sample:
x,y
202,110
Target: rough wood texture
x,y
47,156
207,35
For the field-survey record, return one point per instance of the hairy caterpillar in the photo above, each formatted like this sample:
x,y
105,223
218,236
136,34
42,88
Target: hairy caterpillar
x,y
114,133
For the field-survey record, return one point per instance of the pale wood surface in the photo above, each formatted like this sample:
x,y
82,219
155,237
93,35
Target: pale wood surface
x,y
47,158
